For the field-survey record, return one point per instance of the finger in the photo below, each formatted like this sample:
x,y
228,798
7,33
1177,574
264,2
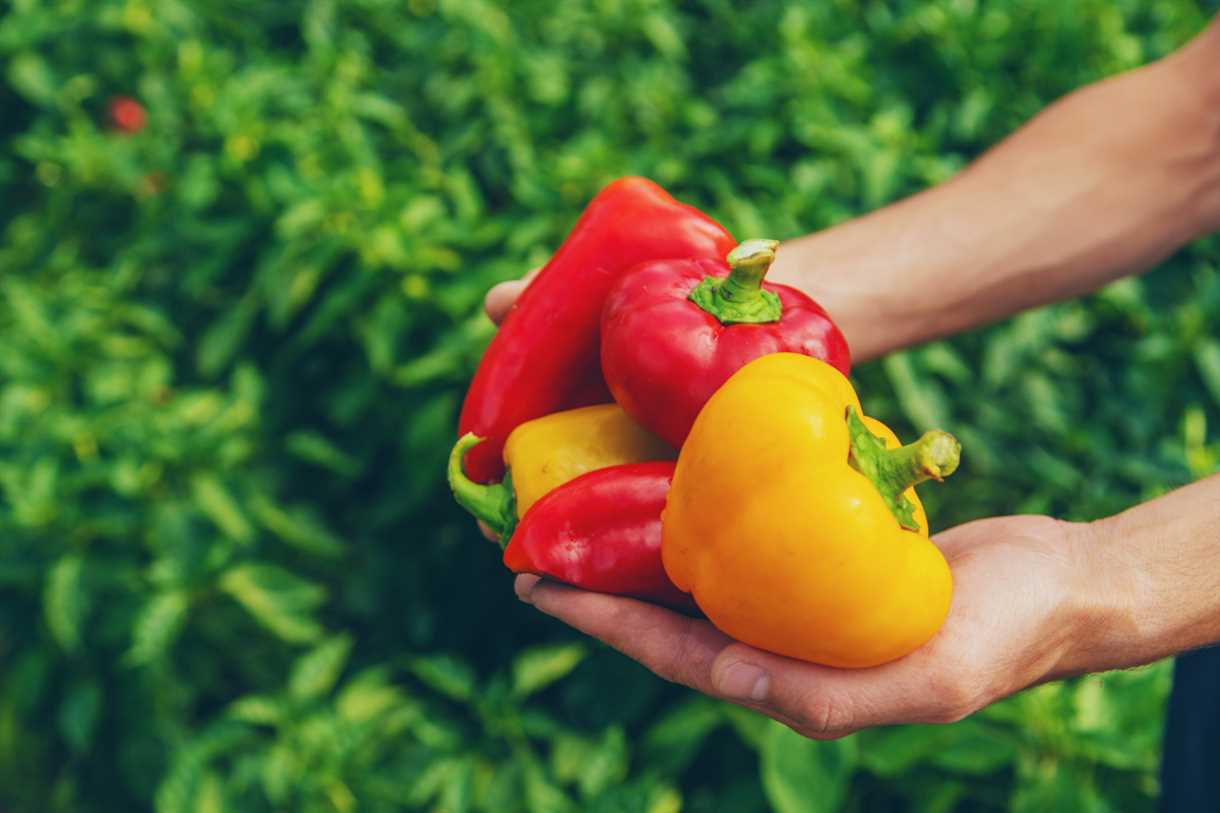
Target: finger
x,y
674,646
523,585
678,648
501,297
488,532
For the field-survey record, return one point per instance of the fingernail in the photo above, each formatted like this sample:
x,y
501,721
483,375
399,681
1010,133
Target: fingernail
x,y
524,587
744,681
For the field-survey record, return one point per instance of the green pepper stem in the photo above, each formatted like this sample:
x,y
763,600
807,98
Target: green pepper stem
x,y
740,298
495,504
933,457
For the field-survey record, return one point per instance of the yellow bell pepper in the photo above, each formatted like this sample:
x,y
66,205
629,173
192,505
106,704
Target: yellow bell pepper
x,y
547,452
793,519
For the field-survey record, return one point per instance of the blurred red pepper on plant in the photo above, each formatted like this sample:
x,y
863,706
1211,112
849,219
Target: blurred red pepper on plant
x,y
601,532
545,356
674,330
127,115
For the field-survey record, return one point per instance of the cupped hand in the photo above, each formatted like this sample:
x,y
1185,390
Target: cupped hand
x,y
1020,616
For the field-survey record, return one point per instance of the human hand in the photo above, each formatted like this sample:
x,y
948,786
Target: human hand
x,y
1021,615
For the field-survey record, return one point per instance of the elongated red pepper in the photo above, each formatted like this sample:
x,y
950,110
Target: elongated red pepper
x,y
601,532
545,356
673,331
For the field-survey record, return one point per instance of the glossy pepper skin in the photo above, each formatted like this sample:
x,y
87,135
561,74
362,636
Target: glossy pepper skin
x,y
674,330
545,356
547,452
793,521
601,532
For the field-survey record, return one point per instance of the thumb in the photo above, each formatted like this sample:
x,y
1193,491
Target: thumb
x,y
502,297
819,701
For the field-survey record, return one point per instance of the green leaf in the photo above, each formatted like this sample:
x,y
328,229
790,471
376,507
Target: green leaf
x,y
316,449
455,796
218,505
280,600
448,675
752,727
367,696
673,741
976,749
65,601
79,714
257,709
971,746
316,672
801,775
222,341
157,626
1207,359
541,795
607,765
1057,787
922,399
32,77
298,527
283,770
537,668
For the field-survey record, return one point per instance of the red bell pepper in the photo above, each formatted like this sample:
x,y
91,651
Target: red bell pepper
x,y
545,356
673,331
601,532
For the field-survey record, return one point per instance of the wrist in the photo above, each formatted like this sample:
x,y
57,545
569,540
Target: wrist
x,y
1098,608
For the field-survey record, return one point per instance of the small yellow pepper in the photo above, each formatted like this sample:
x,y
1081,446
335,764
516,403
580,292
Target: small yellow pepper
x,y
793,520
547,452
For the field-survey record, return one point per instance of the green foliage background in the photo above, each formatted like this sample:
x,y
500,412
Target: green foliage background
x,y
232,347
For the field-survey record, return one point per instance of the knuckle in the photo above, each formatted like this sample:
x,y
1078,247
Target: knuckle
x,y
676,662
822,716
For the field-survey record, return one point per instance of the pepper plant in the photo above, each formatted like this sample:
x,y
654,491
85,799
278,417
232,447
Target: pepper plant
x,y
234,339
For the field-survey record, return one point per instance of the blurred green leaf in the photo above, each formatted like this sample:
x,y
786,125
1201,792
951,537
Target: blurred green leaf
x,y
157,626
671,742
446,674
79,715
233,345
280,600
316,672
313,447
215,501
802,775
65,601
222,341
539,667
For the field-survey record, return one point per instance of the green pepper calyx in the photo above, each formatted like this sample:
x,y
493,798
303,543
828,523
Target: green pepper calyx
x,y
740,298
495,503
933,457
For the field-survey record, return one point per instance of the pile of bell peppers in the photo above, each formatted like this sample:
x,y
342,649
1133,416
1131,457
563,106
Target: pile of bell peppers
x,y
656,420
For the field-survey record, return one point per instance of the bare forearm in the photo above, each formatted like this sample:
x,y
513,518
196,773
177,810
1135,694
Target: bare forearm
x,y
1106,182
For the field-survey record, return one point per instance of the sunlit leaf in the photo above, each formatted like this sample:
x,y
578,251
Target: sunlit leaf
x,y
805,776
279,599
316,672
157,626
541,666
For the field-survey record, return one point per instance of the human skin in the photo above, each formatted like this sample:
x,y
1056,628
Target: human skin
x,y
1104,183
